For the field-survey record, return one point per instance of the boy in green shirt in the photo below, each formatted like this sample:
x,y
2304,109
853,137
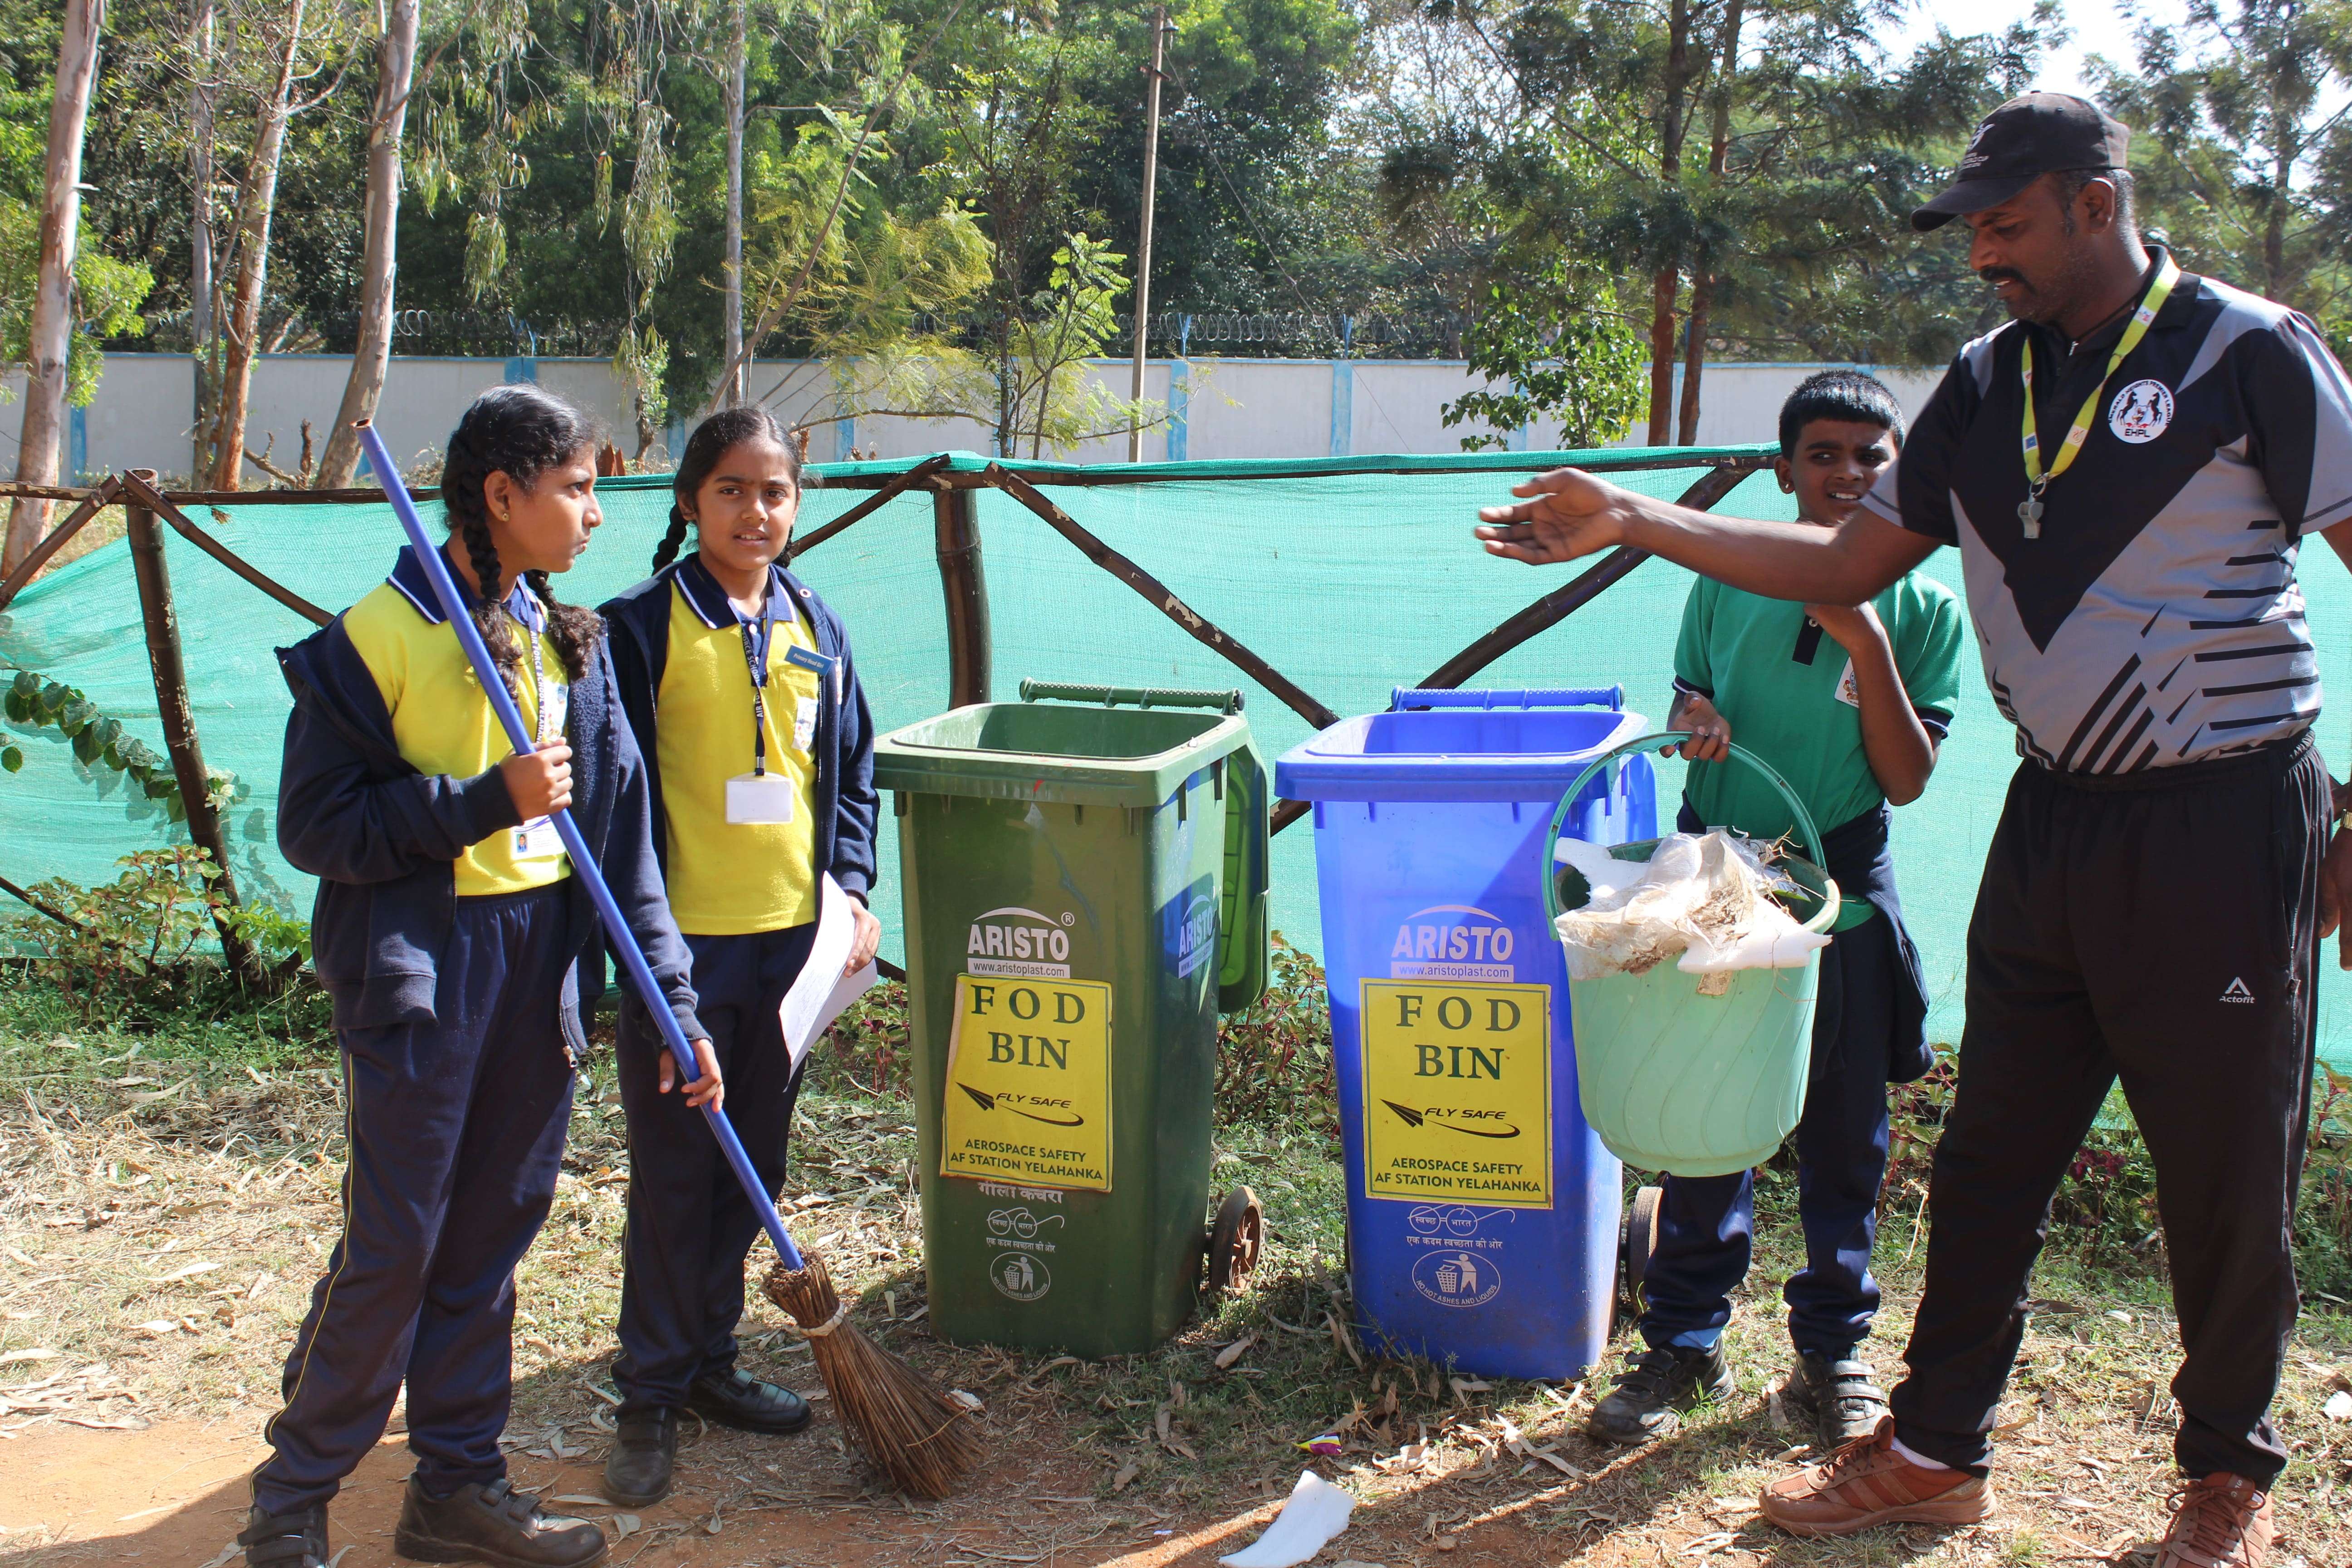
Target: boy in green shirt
x,y
1848,704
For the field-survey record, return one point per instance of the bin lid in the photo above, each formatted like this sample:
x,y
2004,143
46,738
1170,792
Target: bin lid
x,y
1077,754
1463,753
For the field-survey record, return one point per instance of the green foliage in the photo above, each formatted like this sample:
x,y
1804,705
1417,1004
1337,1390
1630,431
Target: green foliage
x,y
129,949
1274,1058
107,294
101,740
2105,1205
2245,151
1560,349
1043,392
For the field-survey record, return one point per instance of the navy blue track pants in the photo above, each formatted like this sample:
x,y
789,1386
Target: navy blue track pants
x,y
456,1130
690,1226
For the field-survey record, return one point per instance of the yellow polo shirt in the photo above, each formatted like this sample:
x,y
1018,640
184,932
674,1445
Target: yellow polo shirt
x,y
734,878
443,724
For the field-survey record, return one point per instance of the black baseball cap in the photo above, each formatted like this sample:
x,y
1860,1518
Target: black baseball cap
x,y
2019,143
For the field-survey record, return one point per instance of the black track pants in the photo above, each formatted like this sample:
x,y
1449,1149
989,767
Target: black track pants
x,y
2163,929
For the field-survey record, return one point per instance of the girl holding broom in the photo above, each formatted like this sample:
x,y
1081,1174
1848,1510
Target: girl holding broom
x,y
737,683
447,930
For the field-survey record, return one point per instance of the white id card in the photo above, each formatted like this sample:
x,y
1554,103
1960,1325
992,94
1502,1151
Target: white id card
x,y
537,841
803,724
555,699
754,798
1847,691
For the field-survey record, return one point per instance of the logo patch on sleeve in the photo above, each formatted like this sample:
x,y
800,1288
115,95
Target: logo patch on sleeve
x,y
2140,411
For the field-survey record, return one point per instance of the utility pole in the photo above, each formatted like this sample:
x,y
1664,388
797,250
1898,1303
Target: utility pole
x,y
739,370
1160,31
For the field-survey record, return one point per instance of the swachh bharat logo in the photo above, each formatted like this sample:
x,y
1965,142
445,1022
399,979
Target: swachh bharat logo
x,y
1452,942
1021,943
1457,1279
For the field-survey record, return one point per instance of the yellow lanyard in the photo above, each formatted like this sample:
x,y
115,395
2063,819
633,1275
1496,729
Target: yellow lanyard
x,y
2029,510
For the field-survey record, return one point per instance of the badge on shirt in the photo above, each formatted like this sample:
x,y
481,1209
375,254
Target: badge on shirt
x,y
1847,691
803,724
556,698
758,798
537,841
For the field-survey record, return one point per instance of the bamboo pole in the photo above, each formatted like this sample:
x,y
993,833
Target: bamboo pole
x,y
162,624
152,498
92,505
1284,689
956,525
889,492
1552,608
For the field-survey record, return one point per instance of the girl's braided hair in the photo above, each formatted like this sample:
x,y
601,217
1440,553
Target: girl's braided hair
x,y
519,431
709,442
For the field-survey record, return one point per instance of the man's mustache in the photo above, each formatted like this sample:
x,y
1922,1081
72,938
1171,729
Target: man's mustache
x,y
1991,274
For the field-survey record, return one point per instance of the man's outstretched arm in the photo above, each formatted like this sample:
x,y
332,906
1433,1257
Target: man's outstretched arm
x,y
1570,513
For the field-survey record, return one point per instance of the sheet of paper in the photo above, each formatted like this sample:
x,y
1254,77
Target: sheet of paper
x,y
1316,1511
821,992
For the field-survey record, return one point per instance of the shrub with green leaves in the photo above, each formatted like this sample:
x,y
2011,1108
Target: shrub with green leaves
x,y
129,947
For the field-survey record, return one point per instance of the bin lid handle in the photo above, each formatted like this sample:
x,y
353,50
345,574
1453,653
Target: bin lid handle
x,y
1610,697
1140,696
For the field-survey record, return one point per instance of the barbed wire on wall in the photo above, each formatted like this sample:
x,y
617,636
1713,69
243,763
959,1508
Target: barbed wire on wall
x,y
1300,334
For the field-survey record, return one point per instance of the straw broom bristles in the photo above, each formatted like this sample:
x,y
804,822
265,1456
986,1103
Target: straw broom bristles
x,y
922,1439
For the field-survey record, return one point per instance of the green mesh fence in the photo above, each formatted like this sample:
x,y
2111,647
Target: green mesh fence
x,y
1349,575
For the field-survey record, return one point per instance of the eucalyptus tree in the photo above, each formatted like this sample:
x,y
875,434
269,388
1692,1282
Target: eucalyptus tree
x,y
2245,151
1718,154
52,312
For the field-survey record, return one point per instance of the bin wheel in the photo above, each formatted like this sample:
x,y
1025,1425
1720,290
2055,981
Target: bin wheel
x,y
1637,1241
1236,1240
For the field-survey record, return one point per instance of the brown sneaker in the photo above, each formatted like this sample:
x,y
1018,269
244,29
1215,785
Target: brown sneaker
x,y
2219,1521
1868,1482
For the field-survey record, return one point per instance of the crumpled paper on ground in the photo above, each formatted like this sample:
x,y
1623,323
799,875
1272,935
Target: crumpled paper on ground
x,y
1316,1511
1702,899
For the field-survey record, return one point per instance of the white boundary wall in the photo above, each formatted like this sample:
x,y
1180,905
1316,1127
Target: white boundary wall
x,y
1216,407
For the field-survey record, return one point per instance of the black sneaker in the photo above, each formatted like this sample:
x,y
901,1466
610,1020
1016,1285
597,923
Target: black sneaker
x,y
1837,1396
494,1524
644,1457
297,1540
1659,1382
735,1398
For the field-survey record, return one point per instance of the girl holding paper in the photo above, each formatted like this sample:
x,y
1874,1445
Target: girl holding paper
x,y
737,681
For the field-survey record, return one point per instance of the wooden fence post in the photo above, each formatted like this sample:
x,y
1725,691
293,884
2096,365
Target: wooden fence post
x,y
163,628
955,514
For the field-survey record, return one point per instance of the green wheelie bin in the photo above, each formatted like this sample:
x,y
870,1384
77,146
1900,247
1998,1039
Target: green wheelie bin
x,y
1084,890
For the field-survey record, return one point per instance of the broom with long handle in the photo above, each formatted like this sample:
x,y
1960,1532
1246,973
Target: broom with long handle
x,y
922,1438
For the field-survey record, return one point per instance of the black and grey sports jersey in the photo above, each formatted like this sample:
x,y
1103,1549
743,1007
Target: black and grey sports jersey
x,y
2156,620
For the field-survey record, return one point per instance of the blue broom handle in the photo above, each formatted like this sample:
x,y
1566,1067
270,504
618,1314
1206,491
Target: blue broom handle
x,y
623,940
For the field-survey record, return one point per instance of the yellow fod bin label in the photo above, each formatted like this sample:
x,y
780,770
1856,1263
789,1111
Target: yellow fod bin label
x,y
1028,1092
1457,1093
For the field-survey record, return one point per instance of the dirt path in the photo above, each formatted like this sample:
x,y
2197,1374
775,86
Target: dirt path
x,y
175,1495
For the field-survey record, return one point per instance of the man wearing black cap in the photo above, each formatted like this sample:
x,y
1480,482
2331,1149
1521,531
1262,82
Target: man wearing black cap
x,y
2128,469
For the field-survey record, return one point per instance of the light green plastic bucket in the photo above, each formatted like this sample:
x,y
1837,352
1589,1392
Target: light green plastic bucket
x,y
1672,1079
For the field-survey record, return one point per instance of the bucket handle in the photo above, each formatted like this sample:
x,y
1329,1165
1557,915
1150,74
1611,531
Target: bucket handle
x,y
1610,697
1141,695
1808,837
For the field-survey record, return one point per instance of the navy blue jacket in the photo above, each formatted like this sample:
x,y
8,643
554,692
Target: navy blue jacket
x,y
847,807
383,838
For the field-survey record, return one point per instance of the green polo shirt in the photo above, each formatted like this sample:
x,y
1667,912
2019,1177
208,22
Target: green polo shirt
x,y
1787,688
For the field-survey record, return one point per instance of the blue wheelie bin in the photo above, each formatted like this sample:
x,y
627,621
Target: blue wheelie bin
x,y
1482,1211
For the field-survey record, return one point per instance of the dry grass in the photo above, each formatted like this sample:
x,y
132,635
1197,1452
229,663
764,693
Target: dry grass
x,y
163,1221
